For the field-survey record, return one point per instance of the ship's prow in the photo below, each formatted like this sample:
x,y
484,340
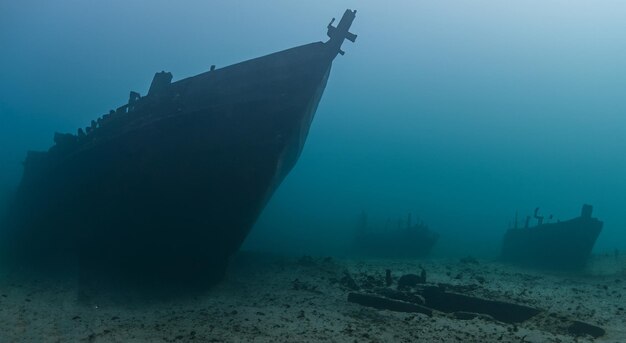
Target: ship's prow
x,y
169,184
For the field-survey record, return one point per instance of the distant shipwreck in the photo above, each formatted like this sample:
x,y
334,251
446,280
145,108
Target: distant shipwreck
x,y
169,184
563,245
407,240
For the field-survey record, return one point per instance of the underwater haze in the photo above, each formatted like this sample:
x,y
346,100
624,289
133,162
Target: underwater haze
x,y
460,112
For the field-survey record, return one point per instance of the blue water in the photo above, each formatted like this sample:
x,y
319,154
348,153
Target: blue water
x,y
462,113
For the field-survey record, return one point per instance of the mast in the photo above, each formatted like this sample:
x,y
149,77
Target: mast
x,y
341,32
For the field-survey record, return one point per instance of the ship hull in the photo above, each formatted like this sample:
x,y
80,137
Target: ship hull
x,y
562,245
174,192
396,244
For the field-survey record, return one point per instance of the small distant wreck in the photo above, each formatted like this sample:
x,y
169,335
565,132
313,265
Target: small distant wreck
x,y
168,185
561,245
406,240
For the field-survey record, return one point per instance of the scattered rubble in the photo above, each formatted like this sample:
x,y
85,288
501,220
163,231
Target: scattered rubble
x,y
415,295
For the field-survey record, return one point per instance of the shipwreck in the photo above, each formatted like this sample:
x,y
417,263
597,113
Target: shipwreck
x,y
169,184
560,245
408,240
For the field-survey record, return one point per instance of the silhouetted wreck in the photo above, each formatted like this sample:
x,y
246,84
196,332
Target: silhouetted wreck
x,y
169,184
564,244
406,240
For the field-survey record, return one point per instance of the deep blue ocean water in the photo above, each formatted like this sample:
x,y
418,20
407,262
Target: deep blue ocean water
x,y
462,113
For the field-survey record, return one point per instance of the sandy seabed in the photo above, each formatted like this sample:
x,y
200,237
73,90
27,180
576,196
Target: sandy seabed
x,y
269,298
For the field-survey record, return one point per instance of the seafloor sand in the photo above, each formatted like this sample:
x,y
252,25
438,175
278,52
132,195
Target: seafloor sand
x,y
275,299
